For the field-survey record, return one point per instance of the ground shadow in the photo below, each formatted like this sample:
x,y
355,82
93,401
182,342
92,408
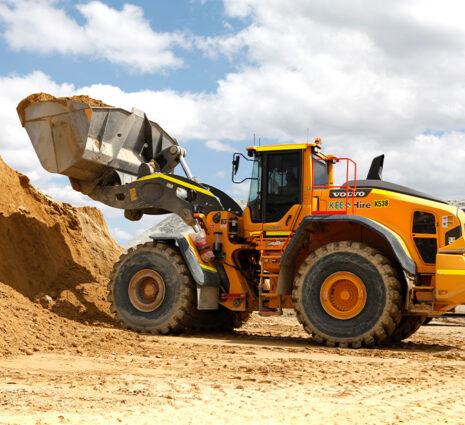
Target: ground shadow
x,y
457,325
241,337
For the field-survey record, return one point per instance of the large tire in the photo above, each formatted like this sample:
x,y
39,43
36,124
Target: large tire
x,y
175,313
407,326
347,294
180,293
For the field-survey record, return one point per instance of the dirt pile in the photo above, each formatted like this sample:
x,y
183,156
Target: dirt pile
x,y
41,97
50,251
26,326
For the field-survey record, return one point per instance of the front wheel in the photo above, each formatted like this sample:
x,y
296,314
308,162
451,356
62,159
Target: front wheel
x,y
151,290
347,294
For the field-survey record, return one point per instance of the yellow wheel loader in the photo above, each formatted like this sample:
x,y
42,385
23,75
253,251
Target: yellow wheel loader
x,y
362,262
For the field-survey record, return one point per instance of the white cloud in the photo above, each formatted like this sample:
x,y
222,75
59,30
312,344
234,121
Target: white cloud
x,y
431,163
239,8
367,77
367,68
219,146
120,36
120,235
41,27
224,45
220,173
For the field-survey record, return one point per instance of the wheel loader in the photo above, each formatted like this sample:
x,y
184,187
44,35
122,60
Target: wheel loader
x,y
362,262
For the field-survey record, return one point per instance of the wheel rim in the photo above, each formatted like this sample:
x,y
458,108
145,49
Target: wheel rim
x,y
146,290
343,295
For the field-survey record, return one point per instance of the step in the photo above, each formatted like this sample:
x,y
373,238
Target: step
x,y
268,295
263,310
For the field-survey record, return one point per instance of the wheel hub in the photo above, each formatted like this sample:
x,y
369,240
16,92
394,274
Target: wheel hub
x,y
343,295
146,290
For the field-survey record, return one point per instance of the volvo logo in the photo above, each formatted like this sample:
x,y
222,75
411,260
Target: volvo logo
x,y
359,193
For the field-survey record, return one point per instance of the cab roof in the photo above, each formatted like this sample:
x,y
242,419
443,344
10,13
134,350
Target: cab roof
x,y
286,147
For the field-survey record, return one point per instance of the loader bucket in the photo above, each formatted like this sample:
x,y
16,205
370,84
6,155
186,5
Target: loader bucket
x,y
86,143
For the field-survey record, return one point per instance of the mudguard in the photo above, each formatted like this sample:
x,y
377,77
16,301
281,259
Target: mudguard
x,y
206,277
203,275
287,267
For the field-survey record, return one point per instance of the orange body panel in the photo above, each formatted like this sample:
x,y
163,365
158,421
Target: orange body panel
x,y
389,208
450,279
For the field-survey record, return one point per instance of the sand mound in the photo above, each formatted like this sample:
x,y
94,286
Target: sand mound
x,y
26,326
41,97
51,248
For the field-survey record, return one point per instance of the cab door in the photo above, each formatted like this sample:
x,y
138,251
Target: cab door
x,y
281,190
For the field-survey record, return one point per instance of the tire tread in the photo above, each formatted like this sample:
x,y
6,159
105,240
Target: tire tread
x,y
391,316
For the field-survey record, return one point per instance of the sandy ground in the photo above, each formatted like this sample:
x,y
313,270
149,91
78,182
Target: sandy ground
x,y
266,373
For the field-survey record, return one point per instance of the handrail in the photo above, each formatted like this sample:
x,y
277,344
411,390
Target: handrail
x,y
346,187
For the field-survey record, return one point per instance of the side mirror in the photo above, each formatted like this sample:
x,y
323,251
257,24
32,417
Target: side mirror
x,y
235,163
235,167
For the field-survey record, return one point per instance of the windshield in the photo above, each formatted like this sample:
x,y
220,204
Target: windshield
x,y
254,201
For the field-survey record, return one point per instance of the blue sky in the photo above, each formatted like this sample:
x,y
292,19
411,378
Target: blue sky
x,y
368,77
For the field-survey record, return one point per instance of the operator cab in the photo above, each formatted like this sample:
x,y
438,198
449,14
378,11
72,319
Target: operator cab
x,y
281,180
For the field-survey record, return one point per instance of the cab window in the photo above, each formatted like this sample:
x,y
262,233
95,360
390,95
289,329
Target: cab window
x,y
282,184
320,172
254,202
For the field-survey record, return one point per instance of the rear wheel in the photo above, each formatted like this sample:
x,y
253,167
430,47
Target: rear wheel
x,y
407,326
347,294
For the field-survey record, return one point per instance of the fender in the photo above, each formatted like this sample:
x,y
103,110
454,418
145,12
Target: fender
x,y
203,274
287,264
206,277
